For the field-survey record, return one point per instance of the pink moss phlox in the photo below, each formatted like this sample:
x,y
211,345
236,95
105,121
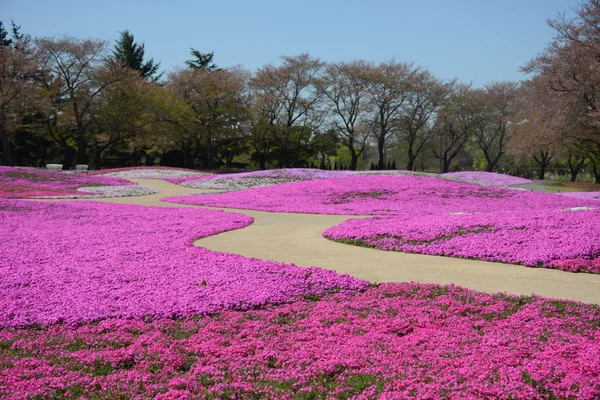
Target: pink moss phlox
x,y
397,341
18,182
567,240
77,262
387,195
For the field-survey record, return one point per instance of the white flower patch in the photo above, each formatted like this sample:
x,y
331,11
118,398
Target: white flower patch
x,y
149,173
99,192
578,209
231,184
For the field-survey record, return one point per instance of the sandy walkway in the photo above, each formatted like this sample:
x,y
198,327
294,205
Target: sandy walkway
x,y
296,238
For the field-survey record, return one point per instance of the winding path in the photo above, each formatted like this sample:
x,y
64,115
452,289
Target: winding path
x,y
296,238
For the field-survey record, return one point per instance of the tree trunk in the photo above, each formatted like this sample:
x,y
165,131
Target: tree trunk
x,y
380,148
97,159
575,166
411,163
596,170
6,148
446,164
543,162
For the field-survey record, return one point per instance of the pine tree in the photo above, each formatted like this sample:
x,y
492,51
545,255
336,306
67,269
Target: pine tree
x,y
202,61
131,54
394,165
372,168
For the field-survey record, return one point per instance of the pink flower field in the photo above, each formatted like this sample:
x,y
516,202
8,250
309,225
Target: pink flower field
x,y
106,301
18,183
395,341
80,262
567,240
506,225
380,195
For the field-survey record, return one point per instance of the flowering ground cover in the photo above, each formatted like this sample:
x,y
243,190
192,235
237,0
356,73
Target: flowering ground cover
x,y
247,180
394,341
381,195
488,178
440,217
18,182
78,262
166,173
566,240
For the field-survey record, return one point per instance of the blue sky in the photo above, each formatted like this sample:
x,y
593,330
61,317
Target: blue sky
x,y
473,40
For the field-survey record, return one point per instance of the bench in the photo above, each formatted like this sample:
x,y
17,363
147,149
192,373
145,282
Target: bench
x,y
54,167
81,168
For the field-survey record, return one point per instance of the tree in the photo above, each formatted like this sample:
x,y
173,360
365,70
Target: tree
x,y
74,76
457,120
202,61
491,134
216,111
540,123
423,100
290,94
18,67
346,88
131,55
569,69
389,86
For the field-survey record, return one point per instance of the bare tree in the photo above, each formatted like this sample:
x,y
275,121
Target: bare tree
x,y
291,90
18,66
491,134
389,87
346,88
423,100
456,123
76,68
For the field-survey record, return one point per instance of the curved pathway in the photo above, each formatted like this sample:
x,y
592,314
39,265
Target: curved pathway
x,y
296,238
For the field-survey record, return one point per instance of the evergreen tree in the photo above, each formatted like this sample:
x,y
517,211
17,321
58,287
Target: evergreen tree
x,y
202,61
372,167
388,165
131,54
394,164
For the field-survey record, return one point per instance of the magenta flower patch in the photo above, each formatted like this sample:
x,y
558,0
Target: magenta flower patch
x,y
21,183
78,262
567,240
397,341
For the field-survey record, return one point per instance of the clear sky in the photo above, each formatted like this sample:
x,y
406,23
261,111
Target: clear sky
x,y
473,40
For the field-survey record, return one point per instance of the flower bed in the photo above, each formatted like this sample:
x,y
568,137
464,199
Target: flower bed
x,y
488,178
165,173
247,180
380,194
85,261
547,238
396,341
18,182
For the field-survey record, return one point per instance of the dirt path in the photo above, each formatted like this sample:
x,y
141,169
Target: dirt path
x,y
296,238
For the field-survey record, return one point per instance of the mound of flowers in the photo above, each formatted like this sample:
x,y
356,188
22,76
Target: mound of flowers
x,y
395,341
247,180
165,173
77,262
441,217
488,178
563,239
19,182
380,194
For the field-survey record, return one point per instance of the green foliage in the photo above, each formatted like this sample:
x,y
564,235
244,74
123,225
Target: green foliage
x,y
131,54
202,61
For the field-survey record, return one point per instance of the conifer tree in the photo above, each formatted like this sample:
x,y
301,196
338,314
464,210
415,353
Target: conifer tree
x,y
202,61
131,54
